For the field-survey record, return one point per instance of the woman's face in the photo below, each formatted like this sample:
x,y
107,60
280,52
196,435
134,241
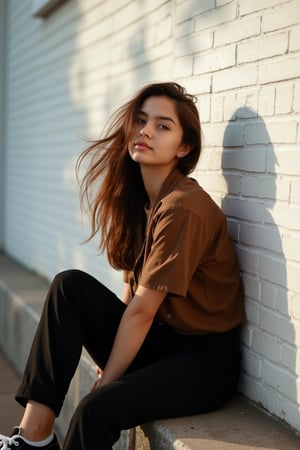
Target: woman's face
x,y
157,137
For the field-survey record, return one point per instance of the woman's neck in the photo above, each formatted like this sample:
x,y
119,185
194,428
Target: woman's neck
x,y
153,180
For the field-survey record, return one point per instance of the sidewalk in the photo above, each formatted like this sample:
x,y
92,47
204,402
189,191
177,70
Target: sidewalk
x,y
10,410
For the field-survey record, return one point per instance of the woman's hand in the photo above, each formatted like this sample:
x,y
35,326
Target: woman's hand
x,y
133,328
97,383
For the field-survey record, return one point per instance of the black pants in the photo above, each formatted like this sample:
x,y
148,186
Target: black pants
x,y
172,375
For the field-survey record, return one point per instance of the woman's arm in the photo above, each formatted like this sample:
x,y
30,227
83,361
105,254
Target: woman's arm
x,y
133,328
126,297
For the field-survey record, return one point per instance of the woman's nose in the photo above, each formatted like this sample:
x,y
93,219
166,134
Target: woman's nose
x,y
145,131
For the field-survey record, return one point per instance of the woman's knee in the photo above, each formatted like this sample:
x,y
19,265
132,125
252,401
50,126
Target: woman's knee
x,y
96,413
67,278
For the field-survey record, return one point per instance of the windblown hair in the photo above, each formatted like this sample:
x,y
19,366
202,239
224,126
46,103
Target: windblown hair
x,y
113,187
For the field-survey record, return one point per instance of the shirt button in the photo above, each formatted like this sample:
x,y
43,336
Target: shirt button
x,y
169,316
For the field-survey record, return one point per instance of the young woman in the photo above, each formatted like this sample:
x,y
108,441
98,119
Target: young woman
x,y
171,347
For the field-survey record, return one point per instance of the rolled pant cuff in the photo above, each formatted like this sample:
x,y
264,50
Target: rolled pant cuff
x,y
39,393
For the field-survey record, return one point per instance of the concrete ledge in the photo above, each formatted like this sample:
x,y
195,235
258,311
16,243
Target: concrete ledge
x,y
239,425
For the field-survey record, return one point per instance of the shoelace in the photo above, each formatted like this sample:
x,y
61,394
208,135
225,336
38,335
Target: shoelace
x,y
7,442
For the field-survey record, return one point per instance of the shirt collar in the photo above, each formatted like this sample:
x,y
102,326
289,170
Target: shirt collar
x,y
168,186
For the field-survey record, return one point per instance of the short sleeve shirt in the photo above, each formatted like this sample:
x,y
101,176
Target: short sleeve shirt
x,y
188,253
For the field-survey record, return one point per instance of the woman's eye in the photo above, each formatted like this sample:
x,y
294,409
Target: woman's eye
x,y
140,121
163,127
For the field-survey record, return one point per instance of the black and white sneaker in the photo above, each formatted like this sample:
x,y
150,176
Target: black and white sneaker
x,y
17,441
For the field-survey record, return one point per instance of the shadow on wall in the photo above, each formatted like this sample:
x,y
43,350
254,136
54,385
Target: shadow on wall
x,y
248,165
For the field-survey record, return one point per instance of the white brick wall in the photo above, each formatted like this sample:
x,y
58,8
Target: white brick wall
x,y
251,119
66,74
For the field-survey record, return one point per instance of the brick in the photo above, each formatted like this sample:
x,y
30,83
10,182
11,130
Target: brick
x,y
257,133
246,336
237,31
261,237
226,13
220,3
251,311
269,399
230,106
241,105
281,16
290,411
192,8
266,103
210,160
193,44
295,193
234,78
248,160
287,217
283,302
217,108
272,269
293,278
251,287
279,379
233,228
252,388
288,357
266,345
196,84
291,246
243,210
296,105
284,98
295,39
265,187
248,103
213,182
258,186
248,260
296,308
132,12
297,333
252,364
204,108
183,67
285,69
283,187
234,136
148,36
247,7
262,48
279,132
268,295
215,60
213,135
163,30
283,161
184,28
277,325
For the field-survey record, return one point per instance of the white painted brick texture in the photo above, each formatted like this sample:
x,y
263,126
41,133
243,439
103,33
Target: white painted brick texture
x,y
66,74
251,139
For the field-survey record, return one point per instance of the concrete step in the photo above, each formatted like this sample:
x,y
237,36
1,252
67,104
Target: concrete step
x,y
238,425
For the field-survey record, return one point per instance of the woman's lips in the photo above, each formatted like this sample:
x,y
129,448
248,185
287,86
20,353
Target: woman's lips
x,y
141,144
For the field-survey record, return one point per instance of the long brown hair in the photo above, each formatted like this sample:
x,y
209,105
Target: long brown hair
x,y
113,187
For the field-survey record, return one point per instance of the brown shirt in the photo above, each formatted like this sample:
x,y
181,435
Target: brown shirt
x,y
188,253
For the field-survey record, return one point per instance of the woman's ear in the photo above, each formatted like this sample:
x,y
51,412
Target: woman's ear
x,y
184,150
